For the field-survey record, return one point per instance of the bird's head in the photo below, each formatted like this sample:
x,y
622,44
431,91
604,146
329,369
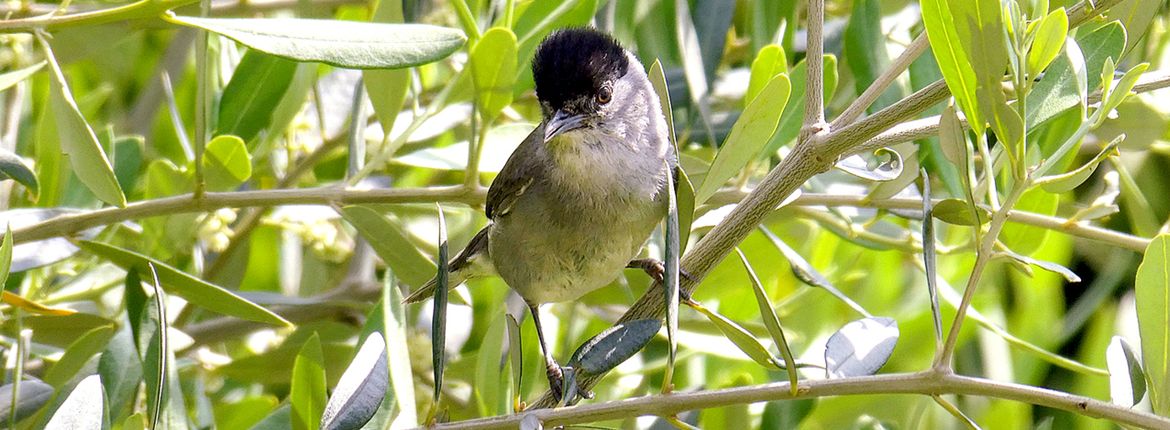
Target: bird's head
x,y
586,80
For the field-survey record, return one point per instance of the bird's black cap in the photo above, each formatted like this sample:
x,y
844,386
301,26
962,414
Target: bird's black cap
x,y
571,65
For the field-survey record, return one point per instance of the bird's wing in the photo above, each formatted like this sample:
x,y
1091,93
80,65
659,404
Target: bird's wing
x,y
516,176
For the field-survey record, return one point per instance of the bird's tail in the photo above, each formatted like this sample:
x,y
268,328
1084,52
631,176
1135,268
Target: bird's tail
x,y
468,264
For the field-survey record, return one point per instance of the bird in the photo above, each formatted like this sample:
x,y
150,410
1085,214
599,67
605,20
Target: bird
x,y
578,199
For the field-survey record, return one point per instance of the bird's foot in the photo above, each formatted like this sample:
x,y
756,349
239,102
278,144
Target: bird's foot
x,y
556,380
560,386
657,271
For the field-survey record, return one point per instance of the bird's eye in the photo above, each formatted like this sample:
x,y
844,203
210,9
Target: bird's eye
x,y
604,95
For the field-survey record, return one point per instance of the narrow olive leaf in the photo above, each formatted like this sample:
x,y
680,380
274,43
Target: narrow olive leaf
x,y
516,353
888,170
748,136
83,409
1072,75
78,141
613,346
1047,41
490,392
6,258
361,389
9,79
740,337
493,70
958,212
14,167
684,190
194,290
1124,87
77,354
1068,181
1105,204
952,58
861,347
952,138
349,44
930,261
391,244
397,351
768,314
1068,274
1153,294
807,274
307,394
31,396
226,163
439,313
258,84
1127,381
685,199
793,117
769,62
670,278
158,354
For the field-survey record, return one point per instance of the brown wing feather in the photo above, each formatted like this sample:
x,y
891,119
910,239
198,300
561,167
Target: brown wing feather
x,y
515,177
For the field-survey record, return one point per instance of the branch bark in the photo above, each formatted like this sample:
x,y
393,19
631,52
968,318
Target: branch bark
x,y
925,383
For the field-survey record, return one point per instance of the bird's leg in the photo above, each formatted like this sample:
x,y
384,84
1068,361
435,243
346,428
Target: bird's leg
x,y
553,370
657,271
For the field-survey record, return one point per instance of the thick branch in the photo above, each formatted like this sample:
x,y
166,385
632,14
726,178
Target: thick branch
x,y
925,383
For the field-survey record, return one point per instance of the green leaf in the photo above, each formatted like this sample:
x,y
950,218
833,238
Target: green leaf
x,y
685,194
768,314
740,337
226,163
397,351
14,167
9,79
1153,311
78,140
1124,86
1068,181
78,354
748,136
307,394
490,389
1047,41
516,354
439,310
30,395
6,254
1136,16
391,243
493,70
951,55
1026,239
194,290
865,51
349,44
793,116
387,88
670,279
258,84
958,212
1071,75
769,62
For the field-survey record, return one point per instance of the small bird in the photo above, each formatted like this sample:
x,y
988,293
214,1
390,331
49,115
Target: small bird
x,y
579,198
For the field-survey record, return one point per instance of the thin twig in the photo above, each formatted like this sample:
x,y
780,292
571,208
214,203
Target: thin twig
x,y
879,85
67,225
928,383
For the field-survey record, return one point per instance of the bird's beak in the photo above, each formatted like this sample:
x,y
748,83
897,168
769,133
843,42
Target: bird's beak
x,y
561,123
